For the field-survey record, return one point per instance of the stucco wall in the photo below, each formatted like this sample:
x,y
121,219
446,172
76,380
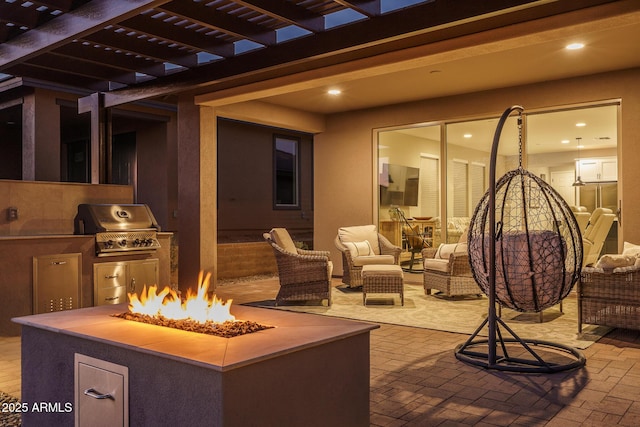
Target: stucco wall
x,y
345,152
46,208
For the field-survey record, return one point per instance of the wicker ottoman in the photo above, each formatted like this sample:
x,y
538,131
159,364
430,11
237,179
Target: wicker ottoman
x,y
382,279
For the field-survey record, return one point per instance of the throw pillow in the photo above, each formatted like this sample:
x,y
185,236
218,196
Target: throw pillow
x,y
631,249
615,261
359,248
444,250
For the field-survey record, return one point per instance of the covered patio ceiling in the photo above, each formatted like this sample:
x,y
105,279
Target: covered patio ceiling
x,y
132,50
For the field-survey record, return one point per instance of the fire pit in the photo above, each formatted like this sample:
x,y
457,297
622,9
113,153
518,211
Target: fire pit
x,y
306,370
196,313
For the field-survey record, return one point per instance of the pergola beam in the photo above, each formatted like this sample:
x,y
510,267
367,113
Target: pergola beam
x,y
226,23
406,28
287,12
92,17
366,7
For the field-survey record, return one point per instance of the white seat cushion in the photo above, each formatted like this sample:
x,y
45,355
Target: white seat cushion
x,y
373,259
382,270
436,264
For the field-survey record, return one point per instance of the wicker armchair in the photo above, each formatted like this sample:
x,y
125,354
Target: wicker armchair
x,y
609,297
451,274
380,251
303,274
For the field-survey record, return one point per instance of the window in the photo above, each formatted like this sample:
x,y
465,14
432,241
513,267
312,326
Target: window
x,y
429,185
286,172
460,179
478,179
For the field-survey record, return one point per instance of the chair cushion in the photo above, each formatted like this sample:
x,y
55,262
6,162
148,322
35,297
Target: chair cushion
x,y
373,259
382,270
360,233
359,248
436,264
283,239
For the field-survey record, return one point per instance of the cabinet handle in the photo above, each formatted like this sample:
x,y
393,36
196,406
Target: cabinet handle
x,y
133,284
111,298
97,395
111,276
58,262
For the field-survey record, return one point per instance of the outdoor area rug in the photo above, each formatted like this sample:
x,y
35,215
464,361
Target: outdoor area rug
x,y
9,418
457,314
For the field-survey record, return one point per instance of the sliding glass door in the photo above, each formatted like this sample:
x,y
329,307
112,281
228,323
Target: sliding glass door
x,y
438,172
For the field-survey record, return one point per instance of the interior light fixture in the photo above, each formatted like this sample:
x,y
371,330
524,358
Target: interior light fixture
x,y
565,141
574,46
579,182
467,135
581,124
334,92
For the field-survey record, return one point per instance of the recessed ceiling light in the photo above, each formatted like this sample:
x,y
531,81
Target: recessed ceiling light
x,y
467,135
581,124
580,146
565,141
334,92
574,46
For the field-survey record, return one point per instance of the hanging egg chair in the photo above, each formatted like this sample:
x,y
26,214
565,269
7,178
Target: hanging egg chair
x,y
538,246
525,251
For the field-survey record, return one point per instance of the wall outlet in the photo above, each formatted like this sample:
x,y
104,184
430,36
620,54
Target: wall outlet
x,y
12,213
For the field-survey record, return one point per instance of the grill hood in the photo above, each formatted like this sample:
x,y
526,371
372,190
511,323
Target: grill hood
x,y
98,218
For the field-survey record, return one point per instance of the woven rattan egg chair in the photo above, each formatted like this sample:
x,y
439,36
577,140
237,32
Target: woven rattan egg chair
x,y
525,251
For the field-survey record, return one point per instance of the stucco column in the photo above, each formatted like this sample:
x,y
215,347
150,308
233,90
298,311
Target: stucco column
x,y
40,137
197,184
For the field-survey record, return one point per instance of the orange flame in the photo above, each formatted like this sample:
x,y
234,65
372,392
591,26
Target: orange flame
x,y
167,303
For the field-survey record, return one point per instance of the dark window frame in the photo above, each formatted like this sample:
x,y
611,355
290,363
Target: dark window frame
x,y
296,171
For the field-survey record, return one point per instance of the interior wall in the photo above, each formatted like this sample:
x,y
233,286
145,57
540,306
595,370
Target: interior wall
x,y
347,146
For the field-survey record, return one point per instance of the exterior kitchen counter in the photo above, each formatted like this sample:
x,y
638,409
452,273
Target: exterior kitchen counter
x,y
307,370
17,254
46,236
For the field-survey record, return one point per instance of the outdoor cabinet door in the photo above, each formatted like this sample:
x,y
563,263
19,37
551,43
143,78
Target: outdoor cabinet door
x,y
143,273
56,282
101,393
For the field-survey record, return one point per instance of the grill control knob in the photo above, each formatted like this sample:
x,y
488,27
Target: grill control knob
x,y
148,242
123,242
137,242
108,243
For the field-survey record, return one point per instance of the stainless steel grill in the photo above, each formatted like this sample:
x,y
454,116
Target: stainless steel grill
x,y
118,229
